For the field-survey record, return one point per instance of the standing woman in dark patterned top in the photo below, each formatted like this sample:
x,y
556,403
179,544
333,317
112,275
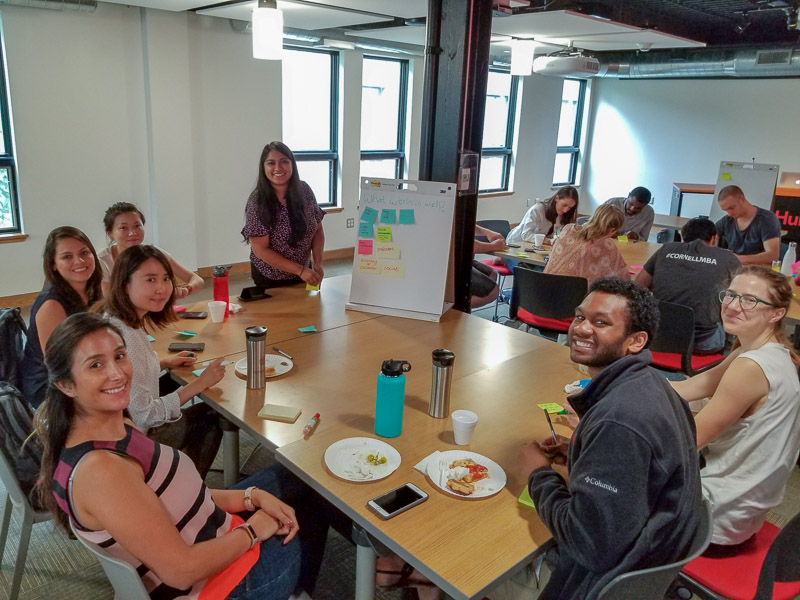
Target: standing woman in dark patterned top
x,y
283,223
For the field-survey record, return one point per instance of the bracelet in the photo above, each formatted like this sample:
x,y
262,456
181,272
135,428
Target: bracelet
x,y
248,498
250,531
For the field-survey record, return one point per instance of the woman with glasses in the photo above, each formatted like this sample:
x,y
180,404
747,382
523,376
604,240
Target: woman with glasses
x,y
749,431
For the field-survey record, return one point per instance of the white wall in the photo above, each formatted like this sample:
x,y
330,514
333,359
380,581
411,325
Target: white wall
x,y
654,133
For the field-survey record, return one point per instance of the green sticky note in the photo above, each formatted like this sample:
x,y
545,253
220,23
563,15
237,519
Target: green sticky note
x,y
312,288
552,407
622,238
525,498
150,338
198,372
387,216
187,333
365,229
309,329
369,215
385,234
407,216
725,176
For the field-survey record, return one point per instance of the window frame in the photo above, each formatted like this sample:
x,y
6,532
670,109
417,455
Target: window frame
x,y
506,151
8,158
399,153
331,155
575,149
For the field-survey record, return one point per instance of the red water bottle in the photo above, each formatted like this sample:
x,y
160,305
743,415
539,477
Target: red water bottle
x,y
221,285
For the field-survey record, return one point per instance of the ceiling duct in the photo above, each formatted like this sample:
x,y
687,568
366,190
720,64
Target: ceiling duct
x,y
80,5
740,63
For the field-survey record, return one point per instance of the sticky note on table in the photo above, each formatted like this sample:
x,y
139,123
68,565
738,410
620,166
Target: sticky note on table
x,y
525,498
369,266
365,229
725,176
552,407
187,333
309,329
387,250
384,234
387,216
406,216
365,246
369,215
312,288
150,338
622,238
393,269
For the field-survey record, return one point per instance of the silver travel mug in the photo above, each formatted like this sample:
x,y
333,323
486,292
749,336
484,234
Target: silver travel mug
x,y
441,374
256,351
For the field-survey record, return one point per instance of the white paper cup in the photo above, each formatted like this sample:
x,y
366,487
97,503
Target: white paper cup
x,y
464,422
217,310
538,239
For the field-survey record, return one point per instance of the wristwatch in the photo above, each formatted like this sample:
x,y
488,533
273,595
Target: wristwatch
x,y
248,499
250,531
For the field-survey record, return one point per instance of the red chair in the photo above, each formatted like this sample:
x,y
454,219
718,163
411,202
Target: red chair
x,y
503,228
673,342
768,568
544,301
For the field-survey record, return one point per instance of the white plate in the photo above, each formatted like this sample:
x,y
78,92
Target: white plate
x,y
483,488
280,363
347,459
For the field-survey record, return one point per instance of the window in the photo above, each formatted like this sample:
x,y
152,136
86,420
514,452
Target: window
x,y
384,94
569,132
9,207
498,131
310,117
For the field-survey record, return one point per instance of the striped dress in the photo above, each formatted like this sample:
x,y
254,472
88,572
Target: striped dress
x,y
175,480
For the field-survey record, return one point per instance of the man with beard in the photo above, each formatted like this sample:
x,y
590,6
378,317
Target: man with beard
x,y
633,500
639,215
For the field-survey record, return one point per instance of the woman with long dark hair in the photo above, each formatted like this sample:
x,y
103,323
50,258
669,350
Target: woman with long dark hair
x,y
72,285
283,223
558,210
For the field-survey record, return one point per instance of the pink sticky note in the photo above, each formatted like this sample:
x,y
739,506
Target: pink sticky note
x,y
365,246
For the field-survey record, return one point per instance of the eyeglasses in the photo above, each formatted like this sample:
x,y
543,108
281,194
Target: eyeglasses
x,y
746,301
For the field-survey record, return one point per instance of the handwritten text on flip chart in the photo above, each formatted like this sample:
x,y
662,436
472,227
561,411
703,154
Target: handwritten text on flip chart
x,y
365,246
369,266
385,234
387,250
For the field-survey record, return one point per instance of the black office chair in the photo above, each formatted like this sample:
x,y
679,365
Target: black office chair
x,y
674,340
544,301
503,228
653,583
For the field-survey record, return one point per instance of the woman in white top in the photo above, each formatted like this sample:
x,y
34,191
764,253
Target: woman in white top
x,y
543,217
140,297
124,224
749,432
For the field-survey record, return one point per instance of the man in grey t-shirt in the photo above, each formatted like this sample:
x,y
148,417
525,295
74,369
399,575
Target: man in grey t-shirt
x,y
639,214
692,273
751,232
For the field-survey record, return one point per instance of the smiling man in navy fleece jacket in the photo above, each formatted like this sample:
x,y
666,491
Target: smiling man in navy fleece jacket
x,y
633,500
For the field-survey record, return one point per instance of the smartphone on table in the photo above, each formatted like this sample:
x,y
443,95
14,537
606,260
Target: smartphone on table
x,y
193,315
190,346
398,500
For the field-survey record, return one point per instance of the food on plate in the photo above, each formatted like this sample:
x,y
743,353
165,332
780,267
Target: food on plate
x,y
475,472
376,459
460,487
269,371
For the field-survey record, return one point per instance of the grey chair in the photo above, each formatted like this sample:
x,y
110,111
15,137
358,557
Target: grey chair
x,y
653,583
16,500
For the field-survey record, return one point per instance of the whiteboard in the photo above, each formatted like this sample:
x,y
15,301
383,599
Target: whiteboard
x,y
757,182
402,248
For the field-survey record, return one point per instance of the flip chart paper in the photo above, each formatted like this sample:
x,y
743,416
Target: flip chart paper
x,y
393,269
369,215
387,250
365,246
384,234
407,216
370,266
387,216
364,230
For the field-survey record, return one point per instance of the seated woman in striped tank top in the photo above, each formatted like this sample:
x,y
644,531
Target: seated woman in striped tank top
x,y
143,501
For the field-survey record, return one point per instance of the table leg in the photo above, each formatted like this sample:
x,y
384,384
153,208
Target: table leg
x,y
230,453
367,551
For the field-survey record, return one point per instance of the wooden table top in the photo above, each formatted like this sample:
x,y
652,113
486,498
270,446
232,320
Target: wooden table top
x,y
696,188
289,309
634,253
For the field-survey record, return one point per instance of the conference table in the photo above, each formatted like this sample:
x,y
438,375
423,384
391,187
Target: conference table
x,y
465,546
634,253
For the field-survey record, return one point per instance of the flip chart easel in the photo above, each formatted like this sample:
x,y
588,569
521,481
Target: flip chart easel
x,y
756,180
402,255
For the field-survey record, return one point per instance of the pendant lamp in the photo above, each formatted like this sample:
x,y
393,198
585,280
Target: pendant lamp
x,y
267,30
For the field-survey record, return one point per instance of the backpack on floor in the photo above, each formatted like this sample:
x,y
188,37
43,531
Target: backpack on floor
x,y
13,336
16,424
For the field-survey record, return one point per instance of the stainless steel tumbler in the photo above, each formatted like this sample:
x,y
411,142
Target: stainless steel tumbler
x,y
441,374
256,351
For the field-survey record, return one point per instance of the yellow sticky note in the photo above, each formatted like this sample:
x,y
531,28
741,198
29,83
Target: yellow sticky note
x,y
725,176
384,234
312,288
393,269
387,250
552,407
525,498
370,266
622,238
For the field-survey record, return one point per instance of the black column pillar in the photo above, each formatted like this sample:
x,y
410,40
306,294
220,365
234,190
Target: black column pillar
x,y
456,72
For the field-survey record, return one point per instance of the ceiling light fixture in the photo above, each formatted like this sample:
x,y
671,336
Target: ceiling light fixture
x,y
522,56
267,30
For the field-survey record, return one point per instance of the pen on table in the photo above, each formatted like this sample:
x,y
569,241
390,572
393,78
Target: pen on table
x,y
281,352
553,431
222,364
311,425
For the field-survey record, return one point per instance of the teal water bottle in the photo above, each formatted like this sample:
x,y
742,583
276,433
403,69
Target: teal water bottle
x,y
389,397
